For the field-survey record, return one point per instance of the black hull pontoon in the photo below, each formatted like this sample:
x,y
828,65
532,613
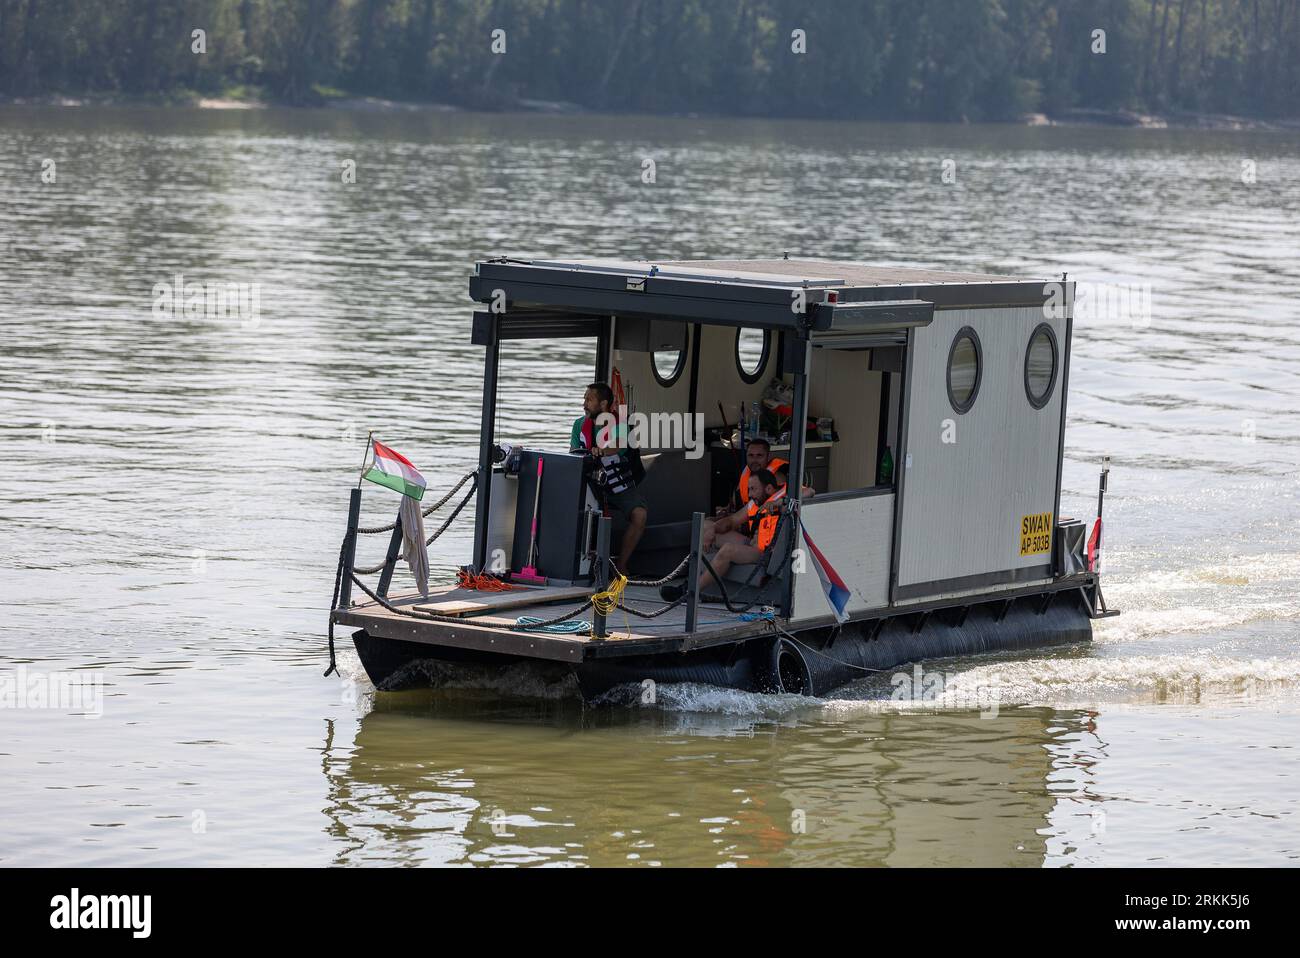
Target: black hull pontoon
x,y
810,662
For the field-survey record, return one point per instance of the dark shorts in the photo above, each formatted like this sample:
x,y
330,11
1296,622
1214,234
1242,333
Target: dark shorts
x,y
624,502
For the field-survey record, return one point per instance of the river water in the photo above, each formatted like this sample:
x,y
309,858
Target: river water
x,y
174,490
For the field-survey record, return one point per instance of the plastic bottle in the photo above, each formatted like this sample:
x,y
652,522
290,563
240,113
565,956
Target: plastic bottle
x,y
886,475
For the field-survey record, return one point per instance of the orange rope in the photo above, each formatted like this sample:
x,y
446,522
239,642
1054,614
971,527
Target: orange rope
x,y
482,582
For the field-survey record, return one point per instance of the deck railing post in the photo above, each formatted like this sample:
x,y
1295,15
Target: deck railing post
x,y
602,572
350,549
693,571
488,334
390,560
799,361
1101,501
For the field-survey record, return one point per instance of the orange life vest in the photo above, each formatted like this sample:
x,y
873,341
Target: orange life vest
x,y
768,515
772,465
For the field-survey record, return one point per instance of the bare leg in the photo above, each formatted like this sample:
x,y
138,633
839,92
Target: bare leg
x,y
739,538
631,536
731,552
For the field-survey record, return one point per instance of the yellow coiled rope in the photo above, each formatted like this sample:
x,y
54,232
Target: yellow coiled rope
x,y
606,602
609,600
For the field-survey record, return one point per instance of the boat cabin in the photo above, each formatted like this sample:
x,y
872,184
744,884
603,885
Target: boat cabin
x,y
933,402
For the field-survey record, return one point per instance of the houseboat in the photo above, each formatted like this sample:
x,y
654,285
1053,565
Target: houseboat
x,y
922,413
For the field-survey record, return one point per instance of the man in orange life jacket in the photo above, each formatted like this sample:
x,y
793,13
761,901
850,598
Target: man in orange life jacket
x,y
758,455
744,536
616,462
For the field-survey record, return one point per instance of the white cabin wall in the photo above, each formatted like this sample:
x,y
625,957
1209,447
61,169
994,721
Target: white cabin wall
x,y
856,535
963,501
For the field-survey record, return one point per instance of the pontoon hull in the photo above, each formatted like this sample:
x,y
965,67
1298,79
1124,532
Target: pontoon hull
x,y
814,663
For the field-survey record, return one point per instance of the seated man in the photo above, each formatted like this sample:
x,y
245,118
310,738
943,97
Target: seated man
x,y
618,465
758,455
747,536
729,527
736,526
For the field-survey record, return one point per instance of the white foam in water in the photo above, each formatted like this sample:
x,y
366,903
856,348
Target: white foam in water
x,y
696,697
1222,594
1083,680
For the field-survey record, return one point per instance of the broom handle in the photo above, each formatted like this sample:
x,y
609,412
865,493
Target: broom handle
x,y
537,499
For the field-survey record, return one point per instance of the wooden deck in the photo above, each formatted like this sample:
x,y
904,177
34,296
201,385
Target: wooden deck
x,y
486,620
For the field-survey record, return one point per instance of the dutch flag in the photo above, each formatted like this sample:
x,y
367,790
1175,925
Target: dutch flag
x,y
837,593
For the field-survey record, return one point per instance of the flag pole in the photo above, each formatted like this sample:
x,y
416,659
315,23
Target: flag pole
x,y
370,439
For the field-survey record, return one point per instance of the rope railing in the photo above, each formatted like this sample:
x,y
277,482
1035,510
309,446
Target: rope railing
x,y
675,574
443,528
378,530
455,512
604,601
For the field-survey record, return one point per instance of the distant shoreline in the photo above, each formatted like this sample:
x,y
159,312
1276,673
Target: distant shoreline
x,y
364,104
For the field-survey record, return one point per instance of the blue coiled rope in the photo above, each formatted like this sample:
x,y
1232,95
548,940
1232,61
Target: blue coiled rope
x,y
568,627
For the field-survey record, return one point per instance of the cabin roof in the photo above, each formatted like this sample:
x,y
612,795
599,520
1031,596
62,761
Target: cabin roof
x,y
841,274
736,292
784,272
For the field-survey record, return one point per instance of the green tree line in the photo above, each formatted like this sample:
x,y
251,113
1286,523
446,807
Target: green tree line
x,y
886,59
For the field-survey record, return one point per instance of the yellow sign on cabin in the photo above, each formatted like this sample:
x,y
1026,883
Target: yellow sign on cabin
x,y
1036,534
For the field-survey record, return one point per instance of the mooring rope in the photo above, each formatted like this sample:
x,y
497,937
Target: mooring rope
x,y
334,603
824,655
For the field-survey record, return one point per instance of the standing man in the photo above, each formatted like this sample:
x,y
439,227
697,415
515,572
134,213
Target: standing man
x,y
618,468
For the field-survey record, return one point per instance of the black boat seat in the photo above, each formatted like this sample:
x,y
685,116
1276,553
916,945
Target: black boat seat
x,y
674,488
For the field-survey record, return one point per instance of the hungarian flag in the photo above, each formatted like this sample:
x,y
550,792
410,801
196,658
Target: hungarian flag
x,y
837,593
1092,545
390,468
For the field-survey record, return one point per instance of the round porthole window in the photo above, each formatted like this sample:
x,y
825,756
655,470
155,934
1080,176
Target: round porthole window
x,y
752,348
1040,365
668,364
965,369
